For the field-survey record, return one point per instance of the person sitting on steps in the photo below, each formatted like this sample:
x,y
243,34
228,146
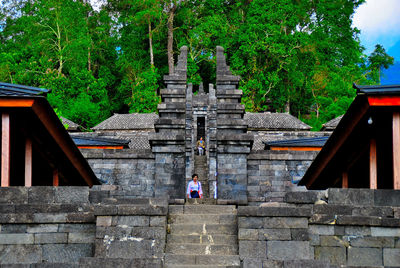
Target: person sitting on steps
x,y
194,189
201,145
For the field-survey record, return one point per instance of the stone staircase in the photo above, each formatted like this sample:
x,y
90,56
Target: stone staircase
x,y
201,169
202,236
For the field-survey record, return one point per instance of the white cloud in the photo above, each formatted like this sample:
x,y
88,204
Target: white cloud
x,y
379,22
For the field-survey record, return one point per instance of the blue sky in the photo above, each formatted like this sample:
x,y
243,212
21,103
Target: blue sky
x,y
379,22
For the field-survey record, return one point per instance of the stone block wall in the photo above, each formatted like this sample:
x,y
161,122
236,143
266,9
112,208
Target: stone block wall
x,y
105,226
232,176
271,174
127,167
355,227
45,224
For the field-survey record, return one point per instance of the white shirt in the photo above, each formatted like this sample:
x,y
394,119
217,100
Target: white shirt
x,y
194,187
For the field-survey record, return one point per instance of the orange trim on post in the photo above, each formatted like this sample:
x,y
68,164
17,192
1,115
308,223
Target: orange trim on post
x,y
55,177
278,148
16,102
5,150
100,147
373,181
384,100
345,180
396,150
28,163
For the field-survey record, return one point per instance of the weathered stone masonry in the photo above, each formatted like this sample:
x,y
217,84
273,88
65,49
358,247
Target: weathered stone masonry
x,y
105,227
356,227
78,227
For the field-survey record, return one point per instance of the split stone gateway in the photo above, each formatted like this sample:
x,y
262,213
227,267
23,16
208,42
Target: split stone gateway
x,y
185,117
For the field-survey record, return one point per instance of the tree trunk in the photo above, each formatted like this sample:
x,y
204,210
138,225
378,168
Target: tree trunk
x,y
170,46
287,107
151,45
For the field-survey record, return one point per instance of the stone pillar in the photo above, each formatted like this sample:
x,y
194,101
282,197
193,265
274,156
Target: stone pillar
x,y
212,140
168,143
233,143
189,132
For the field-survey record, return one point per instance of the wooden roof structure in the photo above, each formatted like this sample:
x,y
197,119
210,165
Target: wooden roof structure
x,y
87,142
303,144
35,147
364,149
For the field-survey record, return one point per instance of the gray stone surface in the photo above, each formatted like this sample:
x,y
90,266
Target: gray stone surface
x,y
274,234
16,239
252,249
51,238
309,197
371,242
248,234
335,255
386,198
364,256
355,197
289,250
285,222
66,253
41,194
306,264
72,195
391,257
120,263
20,254
322,229
383,231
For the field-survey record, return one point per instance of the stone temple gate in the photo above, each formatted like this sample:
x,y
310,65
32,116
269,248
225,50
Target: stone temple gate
x,y
183,117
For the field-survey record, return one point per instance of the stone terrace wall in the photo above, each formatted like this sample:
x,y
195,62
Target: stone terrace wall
x,y
45,224
270,174
356,227
124,167
80,227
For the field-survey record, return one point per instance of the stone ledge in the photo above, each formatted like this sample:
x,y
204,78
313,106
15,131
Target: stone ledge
x,y
309,197
78,217
282,155
118,262
274,211
117,154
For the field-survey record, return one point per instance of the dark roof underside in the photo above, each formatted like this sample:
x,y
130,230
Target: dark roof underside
x,y
94,141
349,143
306,142
378,90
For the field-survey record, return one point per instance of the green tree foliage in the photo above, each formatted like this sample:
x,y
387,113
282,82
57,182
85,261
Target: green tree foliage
x,y
377,60
293,56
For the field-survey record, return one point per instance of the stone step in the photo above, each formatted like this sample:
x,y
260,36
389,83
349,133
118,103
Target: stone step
x,y
118,262
203,239
201,249
209,209
202,201
203,218
202,229
200,266
215,260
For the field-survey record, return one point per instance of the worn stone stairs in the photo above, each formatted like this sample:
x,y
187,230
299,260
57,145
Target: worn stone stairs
x,y
202,236
201,168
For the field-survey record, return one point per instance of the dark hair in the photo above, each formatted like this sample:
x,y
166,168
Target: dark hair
x,y
195,175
